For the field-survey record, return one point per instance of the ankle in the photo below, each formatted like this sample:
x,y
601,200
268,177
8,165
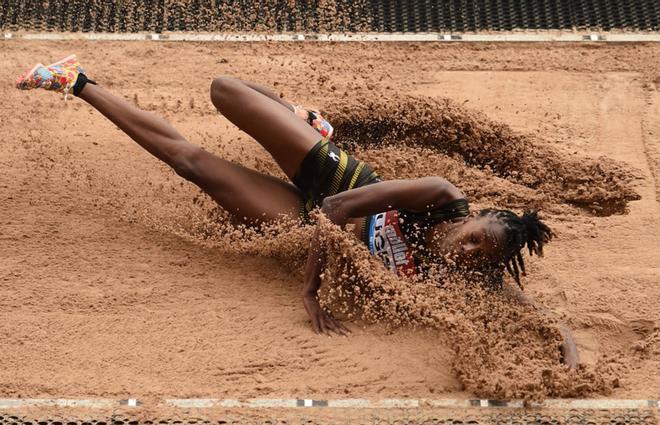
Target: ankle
x,y
80,84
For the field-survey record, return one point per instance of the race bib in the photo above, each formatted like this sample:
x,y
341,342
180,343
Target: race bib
x,y
386,241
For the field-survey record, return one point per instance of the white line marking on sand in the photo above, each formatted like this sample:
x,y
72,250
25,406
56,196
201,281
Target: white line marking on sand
x,y
352,403
37,402
359,37
270,402
361,403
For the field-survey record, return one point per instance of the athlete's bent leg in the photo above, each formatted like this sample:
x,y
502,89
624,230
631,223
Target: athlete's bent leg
x,y
269,93
270,122
249,195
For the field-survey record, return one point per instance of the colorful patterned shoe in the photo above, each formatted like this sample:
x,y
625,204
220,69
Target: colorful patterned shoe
x,y
59,76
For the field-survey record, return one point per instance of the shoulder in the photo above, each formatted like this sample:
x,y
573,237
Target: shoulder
x,y
452,192
441,191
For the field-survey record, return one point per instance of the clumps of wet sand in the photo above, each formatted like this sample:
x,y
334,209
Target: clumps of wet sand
x,y
502,349
485,149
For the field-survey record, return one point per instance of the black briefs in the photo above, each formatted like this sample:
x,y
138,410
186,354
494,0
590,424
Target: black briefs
x,y
327,170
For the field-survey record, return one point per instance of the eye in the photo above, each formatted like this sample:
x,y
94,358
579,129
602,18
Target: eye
x,y
474,238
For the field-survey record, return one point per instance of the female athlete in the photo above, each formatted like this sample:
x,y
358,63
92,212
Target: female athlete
x,y
409,224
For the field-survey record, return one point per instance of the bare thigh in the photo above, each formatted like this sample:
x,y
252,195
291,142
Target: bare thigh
x,y
286,137
250,196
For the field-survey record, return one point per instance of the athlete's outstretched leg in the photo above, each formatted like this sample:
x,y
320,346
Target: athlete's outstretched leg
x,y
150,131
270,122
249,195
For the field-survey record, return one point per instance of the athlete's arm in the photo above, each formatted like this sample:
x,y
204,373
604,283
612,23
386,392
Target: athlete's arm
x,y
413,195
569,350
322,321
416,195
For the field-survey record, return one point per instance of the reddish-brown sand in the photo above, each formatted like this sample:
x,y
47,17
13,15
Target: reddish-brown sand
x,y
117,278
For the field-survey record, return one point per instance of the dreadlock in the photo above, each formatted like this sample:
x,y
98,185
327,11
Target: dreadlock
x,y
519,231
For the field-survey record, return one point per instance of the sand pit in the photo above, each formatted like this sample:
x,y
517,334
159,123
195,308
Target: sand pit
x,y
118,277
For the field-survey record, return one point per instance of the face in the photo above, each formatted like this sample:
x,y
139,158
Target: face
x,y
469,243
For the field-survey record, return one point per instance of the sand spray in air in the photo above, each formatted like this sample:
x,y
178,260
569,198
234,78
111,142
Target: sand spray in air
x,y
502,350
482,156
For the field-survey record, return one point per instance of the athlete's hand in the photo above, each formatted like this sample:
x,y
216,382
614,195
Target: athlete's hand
x,y
322,321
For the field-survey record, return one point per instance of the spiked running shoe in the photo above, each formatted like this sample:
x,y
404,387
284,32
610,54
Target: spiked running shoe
x,y
59,76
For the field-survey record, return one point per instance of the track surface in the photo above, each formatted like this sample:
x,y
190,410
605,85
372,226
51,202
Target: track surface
x,y
96,303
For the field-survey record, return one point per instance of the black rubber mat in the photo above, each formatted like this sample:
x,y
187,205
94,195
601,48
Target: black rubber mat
x,y
327,15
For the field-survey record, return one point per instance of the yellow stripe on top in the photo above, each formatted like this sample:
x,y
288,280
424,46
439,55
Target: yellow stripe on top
x,y
356,174
339,173
322,155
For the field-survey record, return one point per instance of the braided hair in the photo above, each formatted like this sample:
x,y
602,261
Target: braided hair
x,y
519,231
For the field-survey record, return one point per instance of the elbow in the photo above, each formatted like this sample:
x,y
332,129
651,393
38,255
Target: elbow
x,y
444,190
335,208
441,184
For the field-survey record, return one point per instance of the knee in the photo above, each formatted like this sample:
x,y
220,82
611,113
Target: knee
x,y
222,90
186,163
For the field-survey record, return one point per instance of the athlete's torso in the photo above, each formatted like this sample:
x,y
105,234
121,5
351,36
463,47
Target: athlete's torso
x,y
386,240
398,237
385,234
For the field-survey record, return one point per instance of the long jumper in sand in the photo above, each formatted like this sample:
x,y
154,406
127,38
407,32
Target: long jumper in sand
x,y
409,224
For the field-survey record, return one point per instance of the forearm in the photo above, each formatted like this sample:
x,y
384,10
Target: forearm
x,y
322,321
414,195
